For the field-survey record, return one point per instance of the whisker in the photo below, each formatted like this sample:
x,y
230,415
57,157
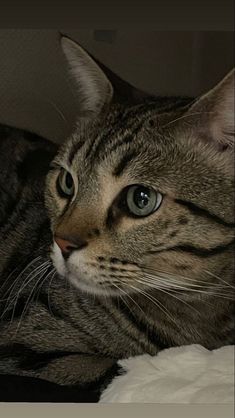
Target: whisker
x,y
177,278
18,277
59,111
186,116
129,296
167,282
44,280
219,278
27,304
34,290
48,292
169,294
158,304
53,105
174,282
157,281
25,283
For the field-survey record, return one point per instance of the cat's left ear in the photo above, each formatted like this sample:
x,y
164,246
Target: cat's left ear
x,y
94,90
214,113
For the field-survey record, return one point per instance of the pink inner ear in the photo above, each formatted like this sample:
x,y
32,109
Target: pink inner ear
x,y
216,114
222,128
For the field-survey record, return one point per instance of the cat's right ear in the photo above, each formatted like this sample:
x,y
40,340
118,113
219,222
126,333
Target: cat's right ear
x,y
213,114
94,90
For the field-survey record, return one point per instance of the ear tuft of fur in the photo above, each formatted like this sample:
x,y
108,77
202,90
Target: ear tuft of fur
x,y
214,113
93,88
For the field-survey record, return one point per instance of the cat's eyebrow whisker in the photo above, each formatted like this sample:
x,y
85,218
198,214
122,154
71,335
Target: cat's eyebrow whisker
x,y
59,111
53,105
187,116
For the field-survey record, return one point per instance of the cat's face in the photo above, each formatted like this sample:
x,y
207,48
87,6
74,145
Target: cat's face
x,y
141,199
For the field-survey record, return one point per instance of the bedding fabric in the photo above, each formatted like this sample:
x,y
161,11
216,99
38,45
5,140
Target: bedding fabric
x,y
187,374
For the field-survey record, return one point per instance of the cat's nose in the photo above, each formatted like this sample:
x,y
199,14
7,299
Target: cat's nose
x,y
68,246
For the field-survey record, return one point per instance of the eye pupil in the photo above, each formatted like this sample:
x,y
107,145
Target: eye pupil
x,y
69,181
141,198
65,184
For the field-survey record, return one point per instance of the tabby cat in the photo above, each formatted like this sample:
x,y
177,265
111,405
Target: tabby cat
x,y
132,251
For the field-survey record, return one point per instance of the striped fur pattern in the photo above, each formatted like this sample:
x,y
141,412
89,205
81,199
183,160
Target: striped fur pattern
x,y
132,285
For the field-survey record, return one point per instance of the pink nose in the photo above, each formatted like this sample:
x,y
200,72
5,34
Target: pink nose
x,y
66,246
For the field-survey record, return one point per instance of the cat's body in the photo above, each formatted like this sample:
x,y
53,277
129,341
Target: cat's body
x,y
50,329
57,321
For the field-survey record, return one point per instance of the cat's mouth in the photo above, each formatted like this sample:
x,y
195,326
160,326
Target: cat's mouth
x,y
82,277
95,287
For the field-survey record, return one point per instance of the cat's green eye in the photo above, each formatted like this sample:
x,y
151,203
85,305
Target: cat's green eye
x,y
65,184
142,201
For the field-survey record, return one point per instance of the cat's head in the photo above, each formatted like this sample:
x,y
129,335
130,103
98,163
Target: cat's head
x,y
141,197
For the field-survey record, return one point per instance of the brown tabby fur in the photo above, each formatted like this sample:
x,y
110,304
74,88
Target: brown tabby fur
x,y
138,285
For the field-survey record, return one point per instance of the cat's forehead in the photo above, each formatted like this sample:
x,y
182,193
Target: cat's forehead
x,y
137,130
139,142
106,144
127,147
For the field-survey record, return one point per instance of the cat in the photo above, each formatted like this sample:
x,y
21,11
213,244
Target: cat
x,y
121,242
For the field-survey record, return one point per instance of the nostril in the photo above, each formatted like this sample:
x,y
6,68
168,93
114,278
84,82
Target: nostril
x,y
67,246
70,248
67,250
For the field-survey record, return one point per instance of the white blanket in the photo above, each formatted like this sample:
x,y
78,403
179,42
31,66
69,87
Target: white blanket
x,y
187,374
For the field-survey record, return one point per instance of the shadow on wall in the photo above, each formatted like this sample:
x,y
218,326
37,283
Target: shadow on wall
x,y
37,95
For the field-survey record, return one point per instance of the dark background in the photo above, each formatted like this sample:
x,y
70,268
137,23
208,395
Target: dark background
x,y
35,91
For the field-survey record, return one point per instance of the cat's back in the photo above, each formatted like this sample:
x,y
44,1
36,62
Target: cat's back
x,y
24,156
24,162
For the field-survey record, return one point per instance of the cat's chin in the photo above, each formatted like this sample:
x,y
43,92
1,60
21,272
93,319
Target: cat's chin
x,y
86,285
90,287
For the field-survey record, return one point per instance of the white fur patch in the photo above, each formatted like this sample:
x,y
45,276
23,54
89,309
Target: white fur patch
x,y
78,273
187,374
57,259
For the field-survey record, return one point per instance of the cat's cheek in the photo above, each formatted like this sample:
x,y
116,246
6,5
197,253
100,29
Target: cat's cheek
x,y
57,259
